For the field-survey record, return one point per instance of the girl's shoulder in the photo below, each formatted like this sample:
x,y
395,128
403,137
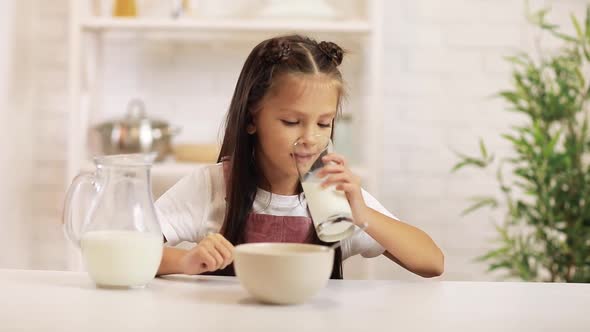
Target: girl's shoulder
x,y
211,176
203,180
211,172
193,206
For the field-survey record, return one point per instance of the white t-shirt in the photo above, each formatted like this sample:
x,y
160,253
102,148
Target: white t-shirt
x,y
195,207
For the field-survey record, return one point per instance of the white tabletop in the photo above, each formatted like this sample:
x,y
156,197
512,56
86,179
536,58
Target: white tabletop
x,y
67,301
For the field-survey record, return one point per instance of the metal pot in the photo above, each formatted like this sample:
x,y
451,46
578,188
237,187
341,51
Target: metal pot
x,y
136,133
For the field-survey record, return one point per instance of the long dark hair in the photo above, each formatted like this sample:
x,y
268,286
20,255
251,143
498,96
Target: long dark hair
x,y
292,54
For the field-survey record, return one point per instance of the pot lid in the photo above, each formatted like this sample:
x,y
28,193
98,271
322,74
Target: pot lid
x,y
136,116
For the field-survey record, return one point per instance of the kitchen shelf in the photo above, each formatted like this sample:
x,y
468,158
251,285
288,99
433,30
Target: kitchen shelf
x,y
87,54
99,25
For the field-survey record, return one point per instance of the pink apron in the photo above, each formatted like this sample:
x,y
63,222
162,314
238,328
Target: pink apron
x,y
269,228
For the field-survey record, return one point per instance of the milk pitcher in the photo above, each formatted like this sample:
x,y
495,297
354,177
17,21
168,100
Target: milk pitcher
x,y
110,216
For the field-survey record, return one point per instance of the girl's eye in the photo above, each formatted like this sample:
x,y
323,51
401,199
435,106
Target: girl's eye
x,y
325,125
290,123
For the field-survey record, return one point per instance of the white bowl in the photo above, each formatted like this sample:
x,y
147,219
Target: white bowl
x,y
283,273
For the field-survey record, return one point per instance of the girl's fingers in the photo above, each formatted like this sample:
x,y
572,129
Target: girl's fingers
x,y
338,159
346,187
217,256
225,248
226,254
336,179
209,245
225,243
329,169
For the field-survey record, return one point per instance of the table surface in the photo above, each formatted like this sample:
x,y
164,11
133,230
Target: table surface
x,y
68,301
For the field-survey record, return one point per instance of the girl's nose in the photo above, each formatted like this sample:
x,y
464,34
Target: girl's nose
x,y
313,141
308,138
310,134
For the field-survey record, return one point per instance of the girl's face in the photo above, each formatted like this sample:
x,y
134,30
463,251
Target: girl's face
x,y
296,106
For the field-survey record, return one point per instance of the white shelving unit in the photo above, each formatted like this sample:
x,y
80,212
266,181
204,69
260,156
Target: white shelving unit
x,y
86,52
101,25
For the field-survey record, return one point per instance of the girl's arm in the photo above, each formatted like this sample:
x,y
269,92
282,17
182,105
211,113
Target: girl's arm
x,y
213,253
404,244
170,263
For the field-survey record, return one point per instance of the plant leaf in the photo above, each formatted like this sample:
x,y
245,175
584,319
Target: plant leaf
x,y
480,202
577,27
471,161
482,149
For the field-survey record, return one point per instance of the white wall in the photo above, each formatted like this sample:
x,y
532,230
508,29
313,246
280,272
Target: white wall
x,y
442,59
15,132
49,128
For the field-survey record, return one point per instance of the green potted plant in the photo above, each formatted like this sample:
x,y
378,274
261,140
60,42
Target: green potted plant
x,y
545,182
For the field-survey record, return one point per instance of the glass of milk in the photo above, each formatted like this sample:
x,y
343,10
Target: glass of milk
x,y
329,208
110,216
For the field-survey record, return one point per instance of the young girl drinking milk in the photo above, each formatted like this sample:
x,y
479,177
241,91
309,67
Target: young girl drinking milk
x,y
290,87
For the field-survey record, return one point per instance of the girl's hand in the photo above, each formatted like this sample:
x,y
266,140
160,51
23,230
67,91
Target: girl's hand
x,y
211,254
337,173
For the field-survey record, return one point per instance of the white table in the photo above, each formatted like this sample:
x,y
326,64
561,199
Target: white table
x,y
68,301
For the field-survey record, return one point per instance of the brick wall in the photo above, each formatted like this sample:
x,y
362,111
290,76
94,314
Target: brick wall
x,y
49,106
443,59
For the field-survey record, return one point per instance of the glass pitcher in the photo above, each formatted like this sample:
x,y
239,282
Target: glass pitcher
x,y
110,216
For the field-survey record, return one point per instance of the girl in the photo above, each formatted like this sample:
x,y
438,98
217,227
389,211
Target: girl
x,y
289,87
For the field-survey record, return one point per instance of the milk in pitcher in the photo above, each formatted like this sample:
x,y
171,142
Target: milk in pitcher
x,y
121,258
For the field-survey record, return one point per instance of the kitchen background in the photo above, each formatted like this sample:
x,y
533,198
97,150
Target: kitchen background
x,y
437,65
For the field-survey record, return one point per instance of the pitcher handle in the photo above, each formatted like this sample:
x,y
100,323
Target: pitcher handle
x,y
73,226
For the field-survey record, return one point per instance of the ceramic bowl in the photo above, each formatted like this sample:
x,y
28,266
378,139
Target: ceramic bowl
x,y
283,273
